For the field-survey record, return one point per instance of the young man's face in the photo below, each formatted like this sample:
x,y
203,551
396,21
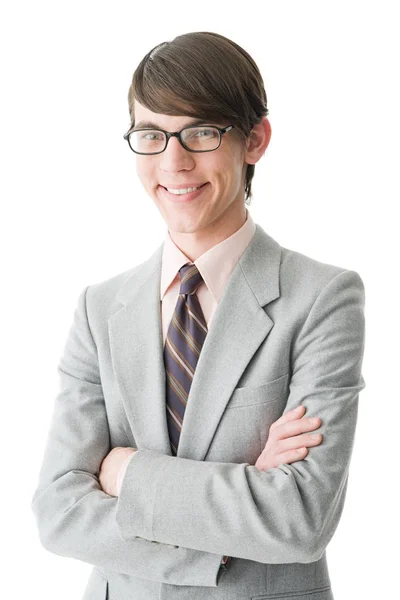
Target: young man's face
x,y
219,202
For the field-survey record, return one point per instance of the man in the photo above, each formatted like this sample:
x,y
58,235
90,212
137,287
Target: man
x,y
173,463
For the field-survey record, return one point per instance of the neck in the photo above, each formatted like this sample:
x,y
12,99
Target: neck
x,y
196,243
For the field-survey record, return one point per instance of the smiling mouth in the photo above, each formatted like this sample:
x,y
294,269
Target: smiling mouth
x,y
189,186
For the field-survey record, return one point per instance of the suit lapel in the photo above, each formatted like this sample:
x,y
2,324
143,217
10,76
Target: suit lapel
x,y
240,324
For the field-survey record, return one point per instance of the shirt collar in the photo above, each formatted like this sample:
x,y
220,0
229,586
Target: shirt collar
x,y
215,265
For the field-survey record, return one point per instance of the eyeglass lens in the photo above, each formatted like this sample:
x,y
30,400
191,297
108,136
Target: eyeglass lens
x,y
200,139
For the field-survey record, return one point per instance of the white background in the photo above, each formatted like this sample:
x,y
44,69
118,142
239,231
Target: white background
x,y
74,213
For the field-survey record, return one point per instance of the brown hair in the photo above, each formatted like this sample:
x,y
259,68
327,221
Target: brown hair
x,y
204,75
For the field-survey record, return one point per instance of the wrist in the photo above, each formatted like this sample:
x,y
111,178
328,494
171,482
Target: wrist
x,y
122,471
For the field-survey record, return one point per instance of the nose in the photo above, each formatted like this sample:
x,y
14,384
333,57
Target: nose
x,y
175,156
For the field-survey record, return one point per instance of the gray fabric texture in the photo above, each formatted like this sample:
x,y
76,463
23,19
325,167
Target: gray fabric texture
x,y
288,330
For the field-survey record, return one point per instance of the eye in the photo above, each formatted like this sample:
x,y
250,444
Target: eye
x,y
151,136
203,133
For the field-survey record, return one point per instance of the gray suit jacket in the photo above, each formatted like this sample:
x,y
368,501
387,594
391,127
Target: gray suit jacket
x,y
289,330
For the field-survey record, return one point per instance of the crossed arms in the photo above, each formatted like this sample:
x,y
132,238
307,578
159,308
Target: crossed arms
x,y
200,511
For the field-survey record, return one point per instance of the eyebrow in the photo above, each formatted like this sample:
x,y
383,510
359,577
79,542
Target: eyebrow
x,y
151,125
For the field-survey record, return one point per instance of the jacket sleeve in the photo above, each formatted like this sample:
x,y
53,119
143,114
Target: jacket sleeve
x,y
285,514
74,516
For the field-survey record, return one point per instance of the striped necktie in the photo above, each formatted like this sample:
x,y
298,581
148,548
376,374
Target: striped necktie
x,y
186,334
185,338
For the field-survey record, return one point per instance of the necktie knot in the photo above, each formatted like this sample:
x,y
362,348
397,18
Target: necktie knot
x,y
190,279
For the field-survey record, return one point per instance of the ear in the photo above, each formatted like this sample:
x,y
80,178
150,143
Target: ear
x,y
257,142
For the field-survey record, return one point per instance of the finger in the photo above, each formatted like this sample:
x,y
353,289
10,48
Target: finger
x,y
295,427
292,456
290,415
265,463
300,441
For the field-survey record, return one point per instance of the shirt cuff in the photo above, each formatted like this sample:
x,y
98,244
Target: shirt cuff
x,y
121,472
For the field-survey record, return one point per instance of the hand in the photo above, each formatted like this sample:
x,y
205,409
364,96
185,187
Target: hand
x,y
110,467
284,444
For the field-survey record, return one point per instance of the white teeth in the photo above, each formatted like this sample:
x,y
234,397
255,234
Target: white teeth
x,y
183,191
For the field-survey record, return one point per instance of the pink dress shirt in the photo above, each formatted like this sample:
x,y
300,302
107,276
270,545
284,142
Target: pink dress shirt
x,y
215,266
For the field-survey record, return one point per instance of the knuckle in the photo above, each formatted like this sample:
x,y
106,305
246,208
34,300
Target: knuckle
x,y
300,452
272,432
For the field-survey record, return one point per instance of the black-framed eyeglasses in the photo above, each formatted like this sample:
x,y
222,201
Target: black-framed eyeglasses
x,y
203,138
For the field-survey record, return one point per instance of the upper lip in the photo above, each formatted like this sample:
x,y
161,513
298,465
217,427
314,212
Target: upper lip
x,y
181,186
